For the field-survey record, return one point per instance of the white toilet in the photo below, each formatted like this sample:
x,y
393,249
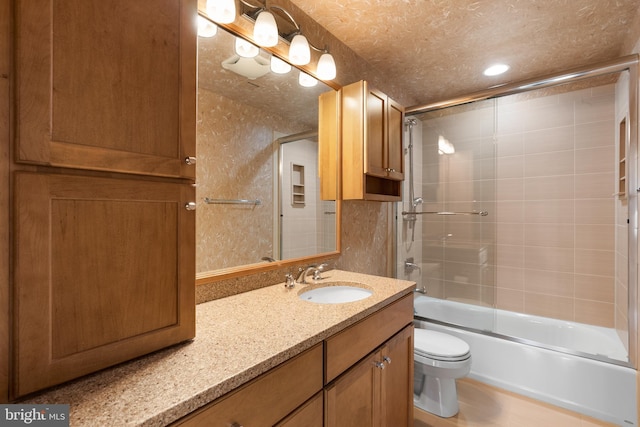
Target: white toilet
x,y
438,360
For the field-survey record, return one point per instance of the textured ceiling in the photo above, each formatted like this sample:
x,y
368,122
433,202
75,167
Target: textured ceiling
x,y
439,48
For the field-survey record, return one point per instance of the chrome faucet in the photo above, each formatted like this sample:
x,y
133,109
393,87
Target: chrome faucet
x,y
304,272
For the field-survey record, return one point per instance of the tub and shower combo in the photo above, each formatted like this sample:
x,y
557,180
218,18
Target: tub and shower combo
x,y
519,225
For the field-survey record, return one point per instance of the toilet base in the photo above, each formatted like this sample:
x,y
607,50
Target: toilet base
x,y
438,396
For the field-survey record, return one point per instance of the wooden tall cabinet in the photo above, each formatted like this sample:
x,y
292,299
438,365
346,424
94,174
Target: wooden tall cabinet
x,y
372,149
102,184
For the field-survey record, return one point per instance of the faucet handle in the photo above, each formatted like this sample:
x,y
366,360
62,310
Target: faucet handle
x,y
317,272
290,282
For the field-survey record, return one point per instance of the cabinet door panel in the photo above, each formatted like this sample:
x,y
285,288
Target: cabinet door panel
x,y
103,273
309,415
397,380
123,101
353,400
395,149
375,133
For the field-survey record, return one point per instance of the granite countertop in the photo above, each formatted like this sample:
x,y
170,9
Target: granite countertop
x,y
237,339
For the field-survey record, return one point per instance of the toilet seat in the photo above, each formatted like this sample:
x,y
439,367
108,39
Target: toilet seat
x,y
439,346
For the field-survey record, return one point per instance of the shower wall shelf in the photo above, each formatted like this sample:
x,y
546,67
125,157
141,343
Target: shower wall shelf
x,y
232,201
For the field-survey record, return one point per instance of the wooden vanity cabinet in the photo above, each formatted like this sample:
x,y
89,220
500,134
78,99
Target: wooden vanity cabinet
x,y
291,388
378,389
361,376
103,241
371,138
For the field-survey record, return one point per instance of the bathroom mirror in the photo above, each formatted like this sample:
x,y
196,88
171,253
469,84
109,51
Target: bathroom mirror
x,y
256,165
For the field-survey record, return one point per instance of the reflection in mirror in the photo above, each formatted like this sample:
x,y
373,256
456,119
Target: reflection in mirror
x,y
243,108
307,223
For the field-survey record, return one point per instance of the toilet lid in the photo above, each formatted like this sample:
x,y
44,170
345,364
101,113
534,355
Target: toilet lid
x,y
439,345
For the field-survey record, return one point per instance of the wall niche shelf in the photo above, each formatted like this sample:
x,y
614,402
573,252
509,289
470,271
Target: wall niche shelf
x,y
297,185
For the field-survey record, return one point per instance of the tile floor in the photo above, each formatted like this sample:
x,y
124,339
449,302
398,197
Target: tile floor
x,y
484,405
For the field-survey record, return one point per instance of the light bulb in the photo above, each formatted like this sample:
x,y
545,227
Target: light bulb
x,y
222,11
299,52
278,66
326,67
265,31
206,28
246,49
306,80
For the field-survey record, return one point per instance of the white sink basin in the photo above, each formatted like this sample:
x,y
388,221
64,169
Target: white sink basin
x,y
335,293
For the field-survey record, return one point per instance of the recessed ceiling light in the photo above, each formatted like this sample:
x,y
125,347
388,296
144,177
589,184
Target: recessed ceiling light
x,y
496,69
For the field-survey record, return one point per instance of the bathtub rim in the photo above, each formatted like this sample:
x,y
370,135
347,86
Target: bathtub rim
x,y
524,341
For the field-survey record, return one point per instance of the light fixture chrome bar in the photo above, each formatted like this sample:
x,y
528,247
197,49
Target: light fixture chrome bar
x,y
481,213
231,201
575,74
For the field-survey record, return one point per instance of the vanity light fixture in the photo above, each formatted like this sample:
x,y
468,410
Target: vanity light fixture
x,y
279,66
222,11
299,51
245,49
273,23
306,80
206,28
265,31
496,70
326,67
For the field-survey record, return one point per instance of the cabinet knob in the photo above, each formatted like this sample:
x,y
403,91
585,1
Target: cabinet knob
x,y
387,359
236,425
379,365
191,206
190,160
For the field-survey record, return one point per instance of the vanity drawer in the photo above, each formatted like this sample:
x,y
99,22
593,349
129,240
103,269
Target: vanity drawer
x,y
345,348
267,399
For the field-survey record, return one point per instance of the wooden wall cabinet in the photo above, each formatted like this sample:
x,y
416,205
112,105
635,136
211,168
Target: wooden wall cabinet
x,y
103,243
371,139
329,145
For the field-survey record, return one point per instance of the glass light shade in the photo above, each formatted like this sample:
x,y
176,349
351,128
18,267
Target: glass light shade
x,y
306,80
265,31
246,49
206,28
278,66
299,52
326,67
222,11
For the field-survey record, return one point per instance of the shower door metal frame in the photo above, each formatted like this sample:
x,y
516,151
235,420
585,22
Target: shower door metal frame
x,y
626,63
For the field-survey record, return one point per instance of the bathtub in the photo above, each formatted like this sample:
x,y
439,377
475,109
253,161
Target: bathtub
x,y
592,387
